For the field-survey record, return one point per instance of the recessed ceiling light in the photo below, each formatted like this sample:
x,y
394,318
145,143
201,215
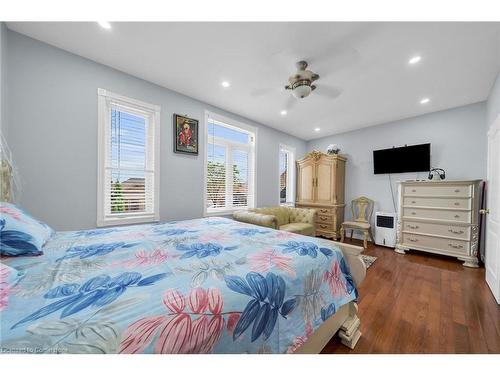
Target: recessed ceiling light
x,y
317,129
104,24
425,101
414,59
225,84
283,113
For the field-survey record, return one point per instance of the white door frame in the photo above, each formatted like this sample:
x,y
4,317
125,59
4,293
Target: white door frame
x,y
492,232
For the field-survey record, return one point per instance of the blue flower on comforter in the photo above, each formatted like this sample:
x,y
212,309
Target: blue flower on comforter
x,y
268,301
328,311
98,291
94,250
249,231
202,250
173,232
305,248
93,232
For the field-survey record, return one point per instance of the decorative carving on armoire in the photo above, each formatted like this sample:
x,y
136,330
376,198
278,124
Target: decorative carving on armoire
x,y
315,154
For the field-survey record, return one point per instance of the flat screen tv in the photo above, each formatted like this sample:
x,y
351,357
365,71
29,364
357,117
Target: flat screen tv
x,y
415,158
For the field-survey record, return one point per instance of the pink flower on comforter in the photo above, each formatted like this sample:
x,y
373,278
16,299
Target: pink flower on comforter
x,y
143,258
336,280
5,287
265,260
176,331
300,340
11,212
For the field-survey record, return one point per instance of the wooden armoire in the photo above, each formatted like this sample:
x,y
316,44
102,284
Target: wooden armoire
x,y
320,185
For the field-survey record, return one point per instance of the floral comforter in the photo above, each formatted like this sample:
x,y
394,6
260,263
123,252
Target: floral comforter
x,y
199,286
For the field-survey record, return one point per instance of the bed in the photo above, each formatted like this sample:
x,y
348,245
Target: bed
x,y
210,285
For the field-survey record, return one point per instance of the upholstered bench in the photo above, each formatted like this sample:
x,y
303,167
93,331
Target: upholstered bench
x,y
296,220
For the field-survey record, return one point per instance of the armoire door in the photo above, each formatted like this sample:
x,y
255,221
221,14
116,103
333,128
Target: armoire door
x,y
324,182
305,183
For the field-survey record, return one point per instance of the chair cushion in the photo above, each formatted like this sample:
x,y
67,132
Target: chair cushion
x,y
356,224
300,228
21,234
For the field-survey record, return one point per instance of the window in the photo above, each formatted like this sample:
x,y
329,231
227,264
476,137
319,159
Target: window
x,y
128,181
287,169
230,165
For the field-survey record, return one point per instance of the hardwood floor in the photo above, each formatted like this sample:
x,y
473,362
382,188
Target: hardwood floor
x,y
423,303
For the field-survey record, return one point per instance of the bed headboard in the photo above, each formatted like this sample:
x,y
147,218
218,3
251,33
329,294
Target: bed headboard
x,y
5,181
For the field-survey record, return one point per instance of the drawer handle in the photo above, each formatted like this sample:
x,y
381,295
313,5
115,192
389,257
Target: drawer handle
x,y
413,202
413,226
324,211
412,239
413,191
455,246
323,218
457,190
414,213
324,226
457,203
456,231
457,216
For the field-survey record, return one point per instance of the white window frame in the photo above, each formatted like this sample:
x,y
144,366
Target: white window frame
x,y
151,112
252,170
290,183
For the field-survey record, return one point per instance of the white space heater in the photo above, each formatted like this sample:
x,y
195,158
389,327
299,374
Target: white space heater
x,y
385,229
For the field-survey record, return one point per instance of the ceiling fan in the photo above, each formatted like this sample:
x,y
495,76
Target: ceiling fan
x,y
301,82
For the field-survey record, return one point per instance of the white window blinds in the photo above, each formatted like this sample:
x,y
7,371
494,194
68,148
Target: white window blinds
x,y
230,172
286,177
128,161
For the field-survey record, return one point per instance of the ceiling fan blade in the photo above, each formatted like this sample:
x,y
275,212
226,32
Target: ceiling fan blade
x,y
341,60
262,91
328,91
344,52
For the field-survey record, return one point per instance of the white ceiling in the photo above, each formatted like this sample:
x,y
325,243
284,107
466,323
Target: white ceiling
x,y
366,62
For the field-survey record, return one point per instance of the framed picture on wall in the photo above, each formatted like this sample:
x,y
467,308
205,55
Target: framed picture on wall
x,y
185,135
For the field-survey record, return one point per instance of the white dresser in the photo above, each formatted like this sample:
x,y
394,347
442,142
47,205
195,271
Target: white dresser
x,y
439,217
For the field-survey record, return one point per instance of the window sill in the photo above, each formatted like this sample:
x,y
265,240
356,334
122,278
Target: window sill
x,y
142,219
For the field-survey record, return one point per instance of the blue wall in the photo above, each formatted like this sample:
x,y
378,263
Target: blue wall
x,y
52,131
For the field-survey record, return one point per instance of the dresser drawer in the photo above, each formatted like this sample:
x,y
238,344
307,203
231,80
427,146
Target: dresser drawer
x,y
324,219
324,211
438,202
324,226
436,189
443,244
454,231
460,216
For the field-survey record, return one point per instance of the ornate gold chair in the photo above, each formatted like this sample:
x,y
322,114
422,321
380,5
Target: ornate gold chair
x,y
362,209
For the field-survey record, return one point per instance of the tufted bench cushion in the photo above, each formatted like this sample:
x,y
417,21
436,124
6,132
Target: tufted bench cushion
x,y
290,219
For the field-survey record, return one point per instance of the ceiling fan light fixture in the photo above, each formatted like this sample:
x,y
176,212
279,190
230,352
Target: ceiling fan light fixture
x,y
301,89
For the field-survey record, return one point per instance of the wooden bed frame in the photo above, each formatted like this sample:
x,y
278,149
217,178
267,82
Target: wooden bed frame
x,y
345,321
